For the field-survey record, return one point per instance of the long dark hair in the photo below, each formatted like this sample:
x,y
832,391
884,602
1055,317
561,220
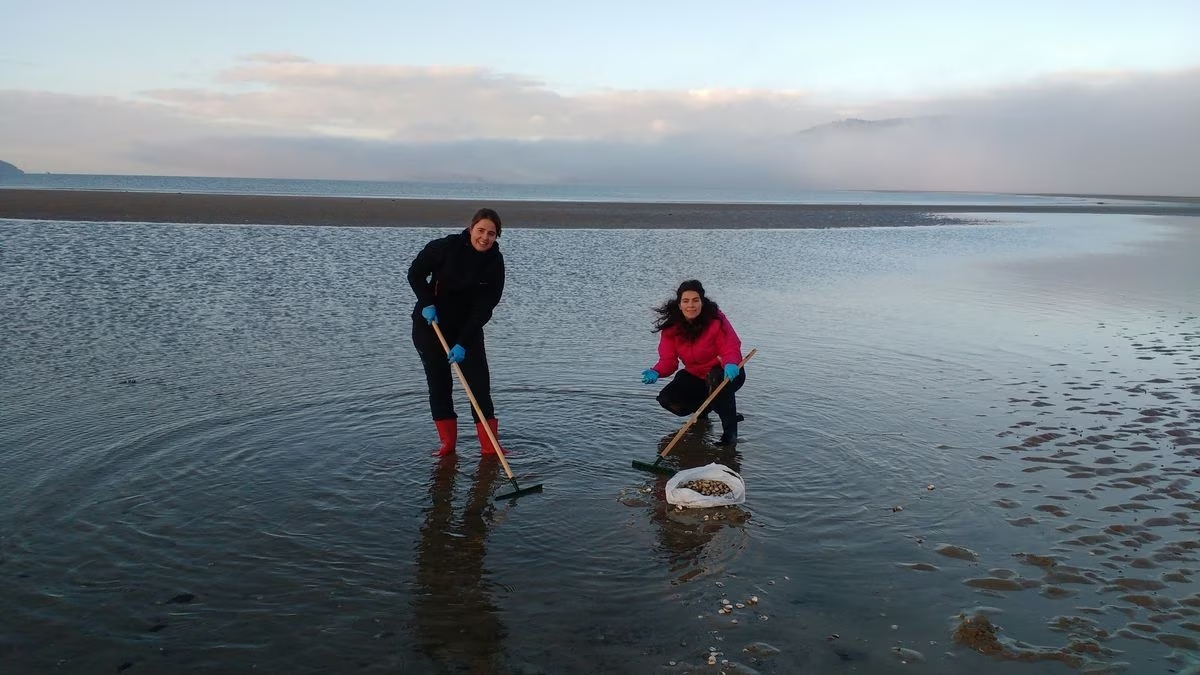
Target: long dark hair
x,y
669,313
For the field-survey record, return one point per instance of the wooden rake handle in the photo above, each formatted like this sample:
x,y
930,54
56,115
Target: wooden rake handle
x,y
475,404
696,415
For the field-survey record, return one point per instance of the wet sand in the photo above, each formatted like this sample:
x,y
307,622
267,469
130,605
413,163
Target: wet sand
x,y
1109,439
156,207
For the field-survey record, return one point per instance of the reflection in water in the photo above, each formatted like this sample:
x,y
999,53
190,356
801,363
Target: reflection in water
x,y
686,536
696,449
457,623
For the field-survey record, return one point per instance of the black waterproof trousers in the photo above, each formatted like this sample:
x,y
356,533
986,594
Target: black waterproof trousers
x,y
686,392
441,380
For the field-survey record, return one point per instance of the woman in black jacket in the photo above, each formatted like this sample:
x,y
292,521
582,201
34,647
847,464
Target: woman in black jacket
x,y
458,280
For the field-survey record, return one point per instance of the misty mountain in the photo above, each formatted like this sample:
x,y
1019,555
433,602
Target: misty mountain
x,y
854,124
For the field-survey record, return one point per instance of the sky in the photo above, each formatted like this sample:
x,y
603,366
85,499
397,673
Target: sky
x,y
1066,96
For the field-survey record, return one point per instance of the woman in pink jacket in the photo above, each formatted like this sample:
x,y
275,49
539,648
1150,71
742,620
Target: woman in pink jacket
x,y
694,331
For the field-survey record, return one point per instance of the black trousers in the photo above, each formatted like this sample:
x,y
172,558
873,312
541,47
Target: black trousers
x,y
686,392
441,380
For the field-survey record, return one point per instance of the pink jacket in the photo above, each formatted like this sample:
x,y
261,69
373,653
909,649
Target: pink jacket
x,y
718,344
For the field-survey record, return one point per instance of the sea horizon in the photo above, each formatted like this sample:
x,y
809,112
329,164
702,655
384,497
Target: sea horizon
x,y
557,192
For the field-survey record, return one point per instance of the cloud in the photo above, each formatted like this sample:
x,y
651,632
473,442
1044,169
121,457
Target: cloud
x,y
276,57
281,115
677,162
445,104
86,134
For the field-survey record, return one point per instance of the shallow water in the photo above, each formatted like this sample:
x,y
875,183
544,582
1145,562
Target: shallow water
x,y
214,453
488,192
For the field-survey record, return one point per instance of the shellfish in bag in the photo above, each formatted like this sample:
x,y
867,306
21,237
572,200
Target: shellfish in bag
x,y
729,487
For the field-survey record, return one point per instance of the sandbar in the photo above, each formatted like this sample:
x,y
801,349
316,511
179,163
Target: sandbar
x,y
163,207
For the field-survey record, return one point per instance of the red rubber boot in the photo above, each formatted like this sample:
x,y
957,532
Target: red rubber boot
x,y
485,443
448,435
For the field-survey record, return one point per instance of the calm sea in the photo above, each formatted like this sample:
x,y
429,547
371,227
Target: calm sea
x,y
513,192
214,454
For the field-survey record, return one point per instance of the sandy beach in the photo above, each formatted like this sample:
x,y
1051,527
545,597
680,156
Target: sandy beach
x,y
156,207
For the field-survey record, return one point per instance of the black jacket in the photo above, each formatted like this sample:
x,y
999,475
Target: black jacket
x,y
464,284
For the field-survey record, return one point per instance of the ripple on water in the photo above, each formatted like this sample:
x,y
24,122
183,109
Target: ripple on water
x,y
253,433
1137,506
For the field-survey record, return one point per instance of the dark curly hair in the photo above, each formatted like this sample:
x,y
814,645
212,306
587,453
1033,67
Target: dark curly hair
x,y
669,313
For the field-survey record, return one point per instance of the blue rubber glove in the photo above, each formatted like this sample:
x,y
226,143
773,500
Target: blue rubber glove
x,y
649,376
731,370
457,354
429,312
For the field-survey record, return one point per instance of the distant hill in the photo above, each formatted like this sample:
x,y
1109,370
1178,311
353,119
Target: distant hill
x,y
854,124
8,170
